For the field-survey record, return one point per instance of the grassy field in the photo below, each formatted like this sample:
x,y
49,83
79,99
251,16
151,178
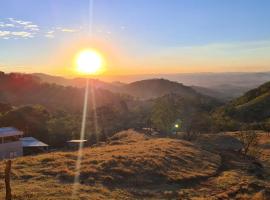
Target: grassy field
x,y
134,166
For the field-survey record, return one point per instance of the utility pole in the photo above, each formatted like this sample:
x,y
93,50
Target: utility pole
x,y
7,180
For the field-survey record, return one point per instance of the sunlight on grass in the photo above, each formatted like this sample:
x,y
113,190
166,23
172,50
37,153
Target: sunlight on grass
x,y
82,136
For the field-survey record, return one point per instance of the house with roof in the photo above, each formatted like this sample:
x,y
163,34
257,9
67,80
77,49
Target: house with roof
x,y
13,144
33,146
10,143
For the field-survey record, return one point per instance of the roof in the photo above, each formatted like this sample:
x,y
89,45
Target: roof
x,y
32,142
9,131
76,141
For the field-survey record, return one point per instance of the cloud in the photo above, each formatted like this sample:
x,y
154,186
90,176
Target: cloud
x,y
17,29
68,30
6,25
21,22
4,33
15,34
49,34
32,27
22,34
24,24
21,29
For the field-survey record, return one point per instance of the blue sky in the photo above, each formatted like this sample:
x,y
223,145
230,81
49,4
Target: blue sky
x,y
136,36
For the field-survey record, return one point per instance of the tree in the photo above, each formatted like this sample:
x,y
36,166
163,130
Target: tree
x,y
250,141
92,139
30,119
62,128
194,123
163,115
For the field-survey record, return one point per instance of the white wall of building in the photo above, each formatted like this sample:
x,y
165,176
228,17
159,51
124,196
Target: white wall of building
x,y
11,150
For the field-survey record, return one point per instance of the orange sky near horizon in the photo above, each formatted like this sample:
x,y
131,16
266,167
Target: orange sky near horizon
x,y
120,60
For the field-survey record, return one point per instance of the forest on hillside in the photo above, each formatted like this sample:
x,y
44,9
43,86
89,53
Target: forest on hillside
x,y
53,113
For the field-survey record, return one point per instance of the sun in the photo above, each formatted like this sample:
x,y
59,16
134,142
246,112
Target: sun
x,y
89,61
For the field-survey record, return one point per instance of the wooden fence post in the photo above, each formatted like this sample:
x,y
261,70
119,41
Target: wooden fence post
x,y
7,180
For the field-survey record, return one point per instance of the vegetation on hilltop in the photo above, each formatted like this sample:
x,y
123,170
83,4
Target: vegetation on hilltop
x,y
253,108
190,113
153,88
21,89
52,113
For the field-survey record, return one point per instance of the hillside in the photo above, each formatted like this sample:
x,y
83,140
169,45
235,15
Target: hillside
x,y
211,84
253,106
153,88
22,89
132,165
74,82
159,104
129,160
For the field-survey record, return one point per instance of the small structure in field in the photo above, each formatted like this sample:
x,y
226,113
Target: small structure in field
x,y
74,144
10,143
33,146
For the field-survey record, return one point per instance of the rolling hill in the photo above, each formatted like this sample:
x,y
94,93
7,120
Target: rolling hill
x,y
23,89
130,160
132,166
153,88
144,89
223,92
253,106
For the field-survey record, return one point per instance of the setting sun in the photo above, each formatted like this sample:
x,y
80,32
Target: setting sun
x,y
89,62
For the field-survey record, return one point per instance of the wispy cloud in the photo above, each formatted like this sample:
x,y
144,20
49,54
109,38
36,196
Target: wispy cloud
x,y
4,33
22,34
69,30
15,34
50,34
6,25
12,28
32,27
24,24
21,22
16,29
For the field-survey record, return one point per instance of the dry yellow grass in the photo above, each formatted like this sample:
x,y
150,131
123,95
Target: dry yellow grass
x,y
134,166
136,161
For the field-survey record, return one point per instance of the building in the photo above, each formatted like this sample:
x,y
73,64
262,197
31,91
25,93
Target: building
x,y
33,146
75,144
10,143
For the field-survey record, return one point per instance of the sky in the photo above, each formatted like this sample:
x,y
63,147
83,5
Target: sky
x,y
136,36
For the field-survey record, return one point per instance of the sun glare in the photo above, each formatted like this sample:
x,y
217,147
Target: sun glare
x,y
89,62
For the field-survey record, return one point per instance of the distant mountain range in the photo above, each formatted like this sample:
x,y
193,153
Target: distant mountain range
x,y
223,86
23,89
139,97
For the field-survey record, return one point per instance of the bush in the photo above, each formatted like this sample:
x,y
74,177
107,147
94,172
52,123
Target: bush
x,y
250,141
